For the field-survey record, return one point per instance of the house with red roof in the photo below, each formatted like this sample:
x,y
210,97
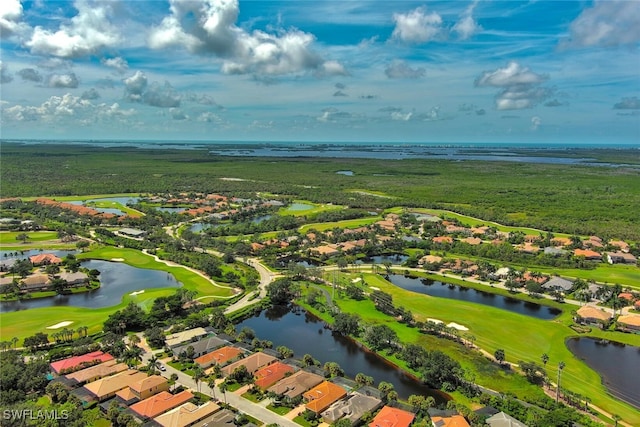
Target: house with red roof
x,y
160,403
271,374
392,417
588,254
323,395
218,357
45,259
75,363
454,421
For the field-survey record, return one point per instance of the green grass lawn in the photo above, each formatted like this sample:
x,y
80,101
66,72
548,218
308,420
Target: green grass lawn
x,y
83,198
9,237
314,209
522,337
280,410
115,205
348,223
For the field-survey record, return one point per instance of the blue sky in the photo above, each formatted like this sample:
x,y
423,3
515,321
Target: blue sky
x,y
338,71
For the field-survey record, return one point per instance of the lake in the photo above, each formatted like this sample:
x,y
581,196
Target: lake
x,y
117,279
299,207
285,326
445,290
395,259
616,363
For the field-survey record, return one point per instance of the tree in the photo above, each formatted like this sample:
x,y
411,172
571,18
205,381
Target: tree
x,y
545,359
223,388
363,379
22,237
347,324
561,366
499,355
82,245
332,369
284,352
198,375
153,364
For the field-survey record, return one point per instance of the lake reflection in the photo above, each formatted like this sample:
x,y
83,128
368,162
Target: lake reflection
x,y
304,333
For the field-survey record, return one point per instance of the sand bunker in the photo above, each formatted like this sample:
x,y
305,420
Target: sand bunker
x,y
457,326
60,325
356,280
435,321
133,294
117,259
374,288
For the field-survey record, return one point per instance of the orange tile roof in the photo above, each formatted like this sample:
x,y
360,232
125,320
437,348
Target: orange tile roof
x,y
442,239
186,415
219,356
630,319
392,417
252,363
98,371
454,421
108,386
323,395
589,312
160,403
587,253
271,374
45,258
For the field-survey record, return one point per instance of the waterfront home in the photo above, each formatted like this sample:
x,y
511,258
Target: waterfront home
x,y
503,420
96,372
352,408
453,421
296,384
322,396
45,259
558,284
78,362
252,363
271,374
219,356
200,347
629,323
392,417
592,316
35,282
178,338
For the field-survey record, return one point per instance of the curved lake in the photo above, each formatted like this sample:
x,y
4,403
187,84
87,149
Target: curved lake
x,y
616,363
445,290
116,278
286,326
395,259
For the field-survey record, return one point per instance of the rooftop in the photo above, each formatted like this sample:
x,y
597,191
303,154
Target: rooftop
x,y
77,361
324,394
160,403
392,417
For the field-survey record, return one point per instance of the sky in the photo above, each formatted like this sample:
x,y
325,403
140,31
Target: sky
x,y
544,72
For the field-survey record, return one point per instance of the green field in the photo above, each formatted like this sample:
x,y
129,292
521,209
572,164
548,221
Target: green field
x,y
115,205
348,223
522,338
314,209
83,198
9,237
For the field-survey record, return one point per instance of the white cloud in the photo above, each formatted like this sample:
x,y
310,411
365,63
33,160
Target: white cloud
x,y
117,63
135,86
10,17
209,117
209,27
177,114
137,89
535,123
631,103
86,33
520,86
467,25
401,70
417,26
607,23
30,74
396,115
69,80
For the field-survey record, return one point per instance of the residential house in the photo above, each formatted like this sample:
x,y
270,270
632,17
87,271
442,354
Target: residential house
x,y
327,250
296,384
442,239
74,279
621,245
271,374
453,421
561,241
392,417
200,347
629,323
178,338
528,248
219,356
558,284
588,254
144,388
107,387
35,282
45,259
322,396
78,362
430,259
627,297
132,232
594,316
252,363
96,372
621,258
187,414
352,408
160,403
503,420
474,241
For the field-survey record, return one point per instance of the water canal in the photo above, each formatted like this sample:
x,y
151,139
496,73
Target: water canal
x,y
117,279
304,333
446,290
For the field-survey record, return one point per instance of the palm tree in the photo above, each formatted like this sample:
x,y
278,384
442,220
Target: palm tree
x,y
223,388
616,418
153,364
14,341
561,366
211,383
198,374
545,359
134,340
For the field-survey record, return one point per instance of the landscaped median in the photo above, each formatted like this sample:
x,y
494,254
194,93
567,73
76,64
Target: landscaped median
x,y
522,338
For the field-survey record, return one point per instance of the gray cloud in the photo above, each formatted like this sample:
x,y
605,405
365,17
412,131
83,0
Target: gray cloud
x,y
368,96
630,103
69,80
163,96
401,70
340,86
177,114
554,103
118,64
339,93
135,86
481,112
30,74
90,94
607,23
5,77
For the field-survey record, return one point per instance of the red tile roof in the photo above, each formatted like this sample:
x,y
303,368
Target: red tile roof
x,y
454,421
77,361
44,258
160,403
219,356
323,395
271,374
392,417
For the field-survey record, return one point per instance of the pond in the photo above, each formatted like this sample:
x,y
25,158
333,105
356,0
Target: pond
x,y
116,278
395,259
446,290
172,209
259,219
198,227
345,173
616,363
299,207
284,325
122,200
308,263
